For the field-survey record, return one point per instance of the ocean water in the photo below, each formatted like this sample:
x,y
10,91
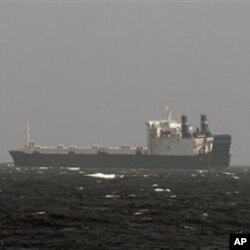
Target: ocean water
x,y
76,208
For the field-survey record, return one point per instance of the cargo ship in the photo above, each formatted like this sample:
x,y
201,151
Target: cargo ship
x,y
170,144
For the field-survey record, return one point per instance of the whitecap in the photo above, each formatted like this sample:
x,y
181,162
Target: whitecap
x,y
132,195
168,190
236,177
138,213
80,188
193,175
42,167
141,211
159,190
112,196
228,173
154,185
173,196
101,175
40,212
204,215
73,168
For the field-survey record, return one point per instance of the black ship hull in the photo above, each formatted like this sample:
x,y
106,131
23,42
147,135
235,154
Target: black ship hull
x,y
114,161
219,157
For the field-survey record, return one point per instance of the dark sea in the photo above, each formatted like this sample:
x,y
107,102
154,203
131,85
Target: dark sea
x,y
73,208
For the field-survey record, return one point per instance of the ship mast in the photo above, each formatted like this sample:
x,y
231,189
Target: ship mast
x,y
168,114
27,133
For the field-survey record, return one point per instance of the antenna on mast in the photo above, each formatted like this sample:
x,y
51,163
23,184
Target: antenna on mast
x,y
27,133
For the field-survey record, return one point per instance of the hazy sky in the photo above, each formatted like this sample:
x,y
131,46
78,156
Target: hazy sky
x,y
93,73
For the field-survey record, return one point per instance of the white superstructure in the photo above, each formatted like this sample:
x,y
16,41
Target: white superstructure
x,y
165,137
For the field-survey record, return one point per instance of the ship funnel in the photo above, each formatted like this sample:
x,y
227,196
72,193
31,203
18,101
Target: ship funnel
x,y
184,127
204,126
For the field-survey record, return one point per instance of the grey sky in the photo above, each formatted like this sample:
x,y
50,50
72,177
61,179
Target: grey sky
x,y
93,73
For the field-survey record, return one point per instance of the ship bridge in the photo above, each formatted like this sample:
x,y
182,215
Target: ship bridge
x,y
169,137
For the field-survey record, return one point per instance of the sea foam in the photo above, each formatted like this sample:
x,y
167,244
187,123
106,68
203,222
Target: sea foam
x,y
101,175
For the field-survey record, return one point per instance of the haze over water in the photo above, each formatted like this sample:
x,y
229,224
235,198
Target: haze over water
x,y
93,73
